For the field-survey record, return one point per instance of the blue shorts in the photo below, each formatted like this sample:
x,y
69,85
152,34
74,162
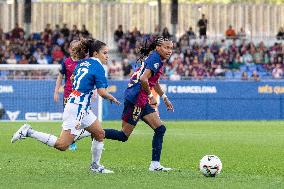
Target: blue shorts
x,y
131,113
65,100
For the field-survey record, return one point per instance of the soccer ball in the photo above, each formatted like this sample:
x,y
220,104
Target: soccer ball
x,y
210,165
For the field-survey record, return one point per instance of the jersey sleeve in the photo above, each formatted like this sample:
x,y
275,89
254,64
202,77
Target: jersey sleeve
x,y
153,63
75,70
63,68
100,78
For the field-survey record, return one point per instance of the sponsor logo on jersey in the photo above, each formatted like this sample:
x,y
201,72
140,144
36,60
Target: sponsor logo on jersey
x,y
156,65
85,64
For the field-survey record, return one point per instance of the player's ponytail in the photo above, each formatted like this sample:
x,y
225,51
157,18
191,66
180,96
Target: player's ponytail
x,y
86,47
79,49
146,48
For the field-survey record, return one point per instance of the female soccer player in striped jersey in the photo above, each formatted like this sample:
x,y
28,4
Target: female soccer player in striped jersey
x,y
77,114
138,98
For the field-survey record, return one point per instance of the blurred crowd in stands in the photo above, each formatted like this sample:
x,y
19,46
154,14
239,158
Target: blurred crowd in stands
x,y
47,47
194,57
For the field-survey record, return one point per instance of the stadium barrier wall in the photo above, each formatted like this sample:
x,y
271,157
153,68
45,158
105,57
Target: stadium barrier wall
x,y
32,100
193,100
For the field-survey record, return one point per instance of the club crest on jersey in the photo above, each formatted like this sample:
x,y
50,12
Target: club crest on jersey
x,y
156,65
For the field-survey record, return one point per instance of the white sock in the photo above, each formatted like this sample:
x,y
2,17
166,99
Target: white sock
x,y
97,149
155,163
83,135
43,137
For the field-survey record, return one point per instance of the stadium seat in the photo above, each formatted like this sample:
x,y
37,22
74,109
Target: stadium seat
x,y
262,74
243,68
249,73
237,75
49,59
229,75
18,57
252,68
260,68
4,74
36,36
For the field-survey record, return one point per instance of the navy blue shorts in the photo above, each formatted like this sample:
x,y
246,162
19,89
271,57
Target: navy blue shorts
x,y
131,113
65,100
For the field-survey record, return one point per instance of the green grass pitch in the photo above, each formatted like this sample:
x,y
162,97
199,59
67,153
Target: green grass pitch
x,y
252,154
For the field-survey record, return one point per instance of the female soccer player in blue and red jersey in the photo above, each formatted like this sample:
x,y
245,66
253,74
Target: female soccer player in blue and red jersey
x,y
138,99
66,71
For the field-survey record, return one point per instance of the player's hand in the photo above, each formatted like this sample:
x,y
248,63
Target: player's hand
x,y
152,101
114,100
55,97
169,104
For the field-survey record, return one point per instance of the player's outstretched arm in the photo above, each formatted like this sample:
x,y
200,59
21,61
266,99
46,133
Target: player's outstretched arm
x,y
57,86
161,93
103,93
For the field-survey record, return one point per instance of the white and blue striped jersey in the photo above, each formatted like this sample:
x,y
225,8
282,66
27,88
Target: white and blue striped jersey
x,y
88,75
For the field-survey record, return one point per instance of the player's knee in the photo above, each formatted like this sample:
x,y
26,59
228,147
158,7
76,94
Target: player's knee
x,y
100,135
160,130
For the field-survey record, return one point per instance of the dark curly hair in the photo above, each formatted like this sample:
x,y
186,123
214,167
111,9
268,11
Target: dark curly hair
x,y
150,45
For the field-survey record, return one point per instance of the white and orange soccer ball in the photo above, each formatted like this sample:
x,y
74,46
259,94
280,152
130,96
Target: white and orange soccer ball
x,y
210,165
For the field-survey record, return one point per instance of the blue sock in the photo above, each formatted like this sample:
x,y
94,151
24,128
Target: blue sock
x,y
157,142
115,135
